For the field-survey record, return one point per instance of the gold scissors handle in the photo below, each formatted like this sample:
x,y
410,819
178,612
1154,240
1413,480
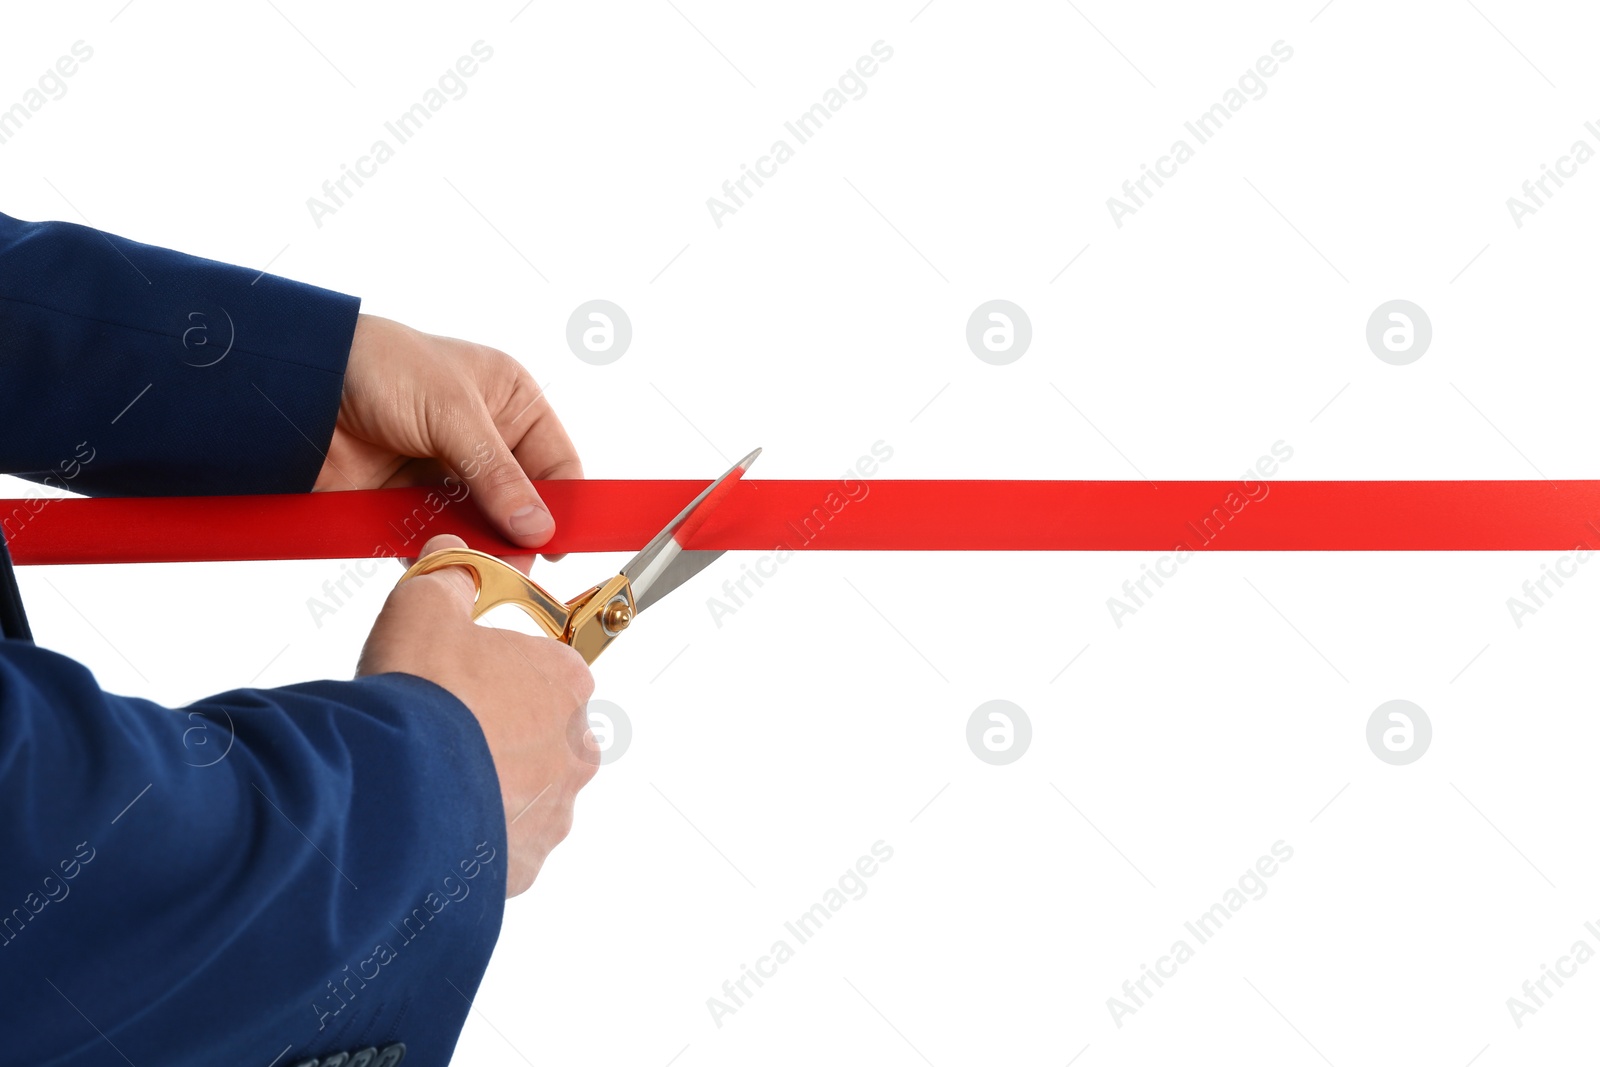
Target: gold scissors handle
x,y
591,620
588,622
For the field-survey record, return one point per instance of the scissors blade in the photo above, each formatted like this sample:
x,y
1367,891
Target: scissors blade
x,y
664,564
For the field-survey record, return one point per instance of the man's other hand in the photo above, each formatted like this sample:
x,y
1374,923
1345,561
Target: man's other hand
x,y
418,407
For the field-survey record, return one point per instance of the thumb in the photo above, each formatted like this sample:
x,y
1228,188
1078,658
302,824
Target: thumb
x,y
415,611
458,581
504,492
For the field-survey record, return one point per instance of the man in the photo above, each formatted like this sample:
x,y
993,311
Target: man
x,y
330,889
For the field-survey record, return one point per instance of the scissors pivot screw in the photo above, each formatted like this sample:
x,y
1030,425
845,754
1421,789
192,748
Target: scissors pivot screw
x,y
617,616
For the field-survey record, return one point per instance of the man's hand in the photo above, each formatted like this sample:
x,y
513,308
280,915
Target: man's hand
x,y
418,407
529,694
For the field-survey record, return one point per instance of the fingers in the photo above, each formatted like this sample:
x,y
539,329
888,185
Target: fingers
x,y
540,442
497,480
574,672
496,429
432,472
535,434
560,666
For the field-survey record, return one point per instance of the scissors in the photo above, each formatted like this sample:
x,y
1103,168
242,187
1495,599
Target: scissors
x,y
590,621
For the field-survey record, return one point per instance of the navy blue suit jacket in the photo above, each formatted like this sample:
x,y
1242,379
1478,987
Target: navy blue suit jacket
x,y
268,876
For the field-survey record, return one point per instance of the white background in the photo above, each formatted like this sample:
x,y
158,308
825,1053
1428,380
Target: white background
x,y
829,313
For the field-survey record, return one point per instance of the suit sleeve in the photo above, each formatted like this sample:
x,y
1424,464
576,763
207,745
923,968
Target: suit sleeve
x,y
266,875
134,370
314,867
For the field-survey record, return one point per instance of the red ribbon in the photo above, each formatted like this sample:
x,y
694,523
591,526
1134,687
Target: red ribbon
x,y
604,516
